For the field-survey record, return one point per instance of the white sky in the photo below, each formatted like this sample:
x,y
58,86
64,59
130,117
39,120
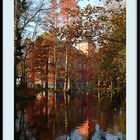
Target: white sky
x,y
83,3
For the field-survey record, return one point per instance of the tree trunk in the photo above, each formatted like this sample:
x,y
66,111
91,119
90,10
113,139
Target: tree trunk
x,y
55,69
98,92
41,75
111,91
66,75
24,71
33,79
21,73
47,72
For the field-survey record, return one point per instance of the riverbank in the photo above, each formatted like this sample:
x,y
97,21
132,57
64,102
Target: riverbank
x,y
23,93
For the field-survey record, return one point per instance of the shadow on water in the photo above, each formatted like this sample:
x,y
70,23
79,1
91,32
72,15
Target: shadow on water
x,y
83,118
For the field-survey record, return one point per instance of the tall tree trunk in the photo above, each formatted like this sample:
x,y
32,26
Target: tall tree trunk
x,y
55,74
33,79
111,91
41,75
22,65
24,71
47,76
66,74
55,69
98,92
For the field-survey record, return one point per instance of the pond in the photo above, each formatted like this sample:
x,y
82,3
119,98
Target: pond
x,y
84,118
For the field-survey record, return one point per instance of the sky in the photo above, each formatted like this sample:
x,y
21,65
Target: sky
x,y
83,3
113,4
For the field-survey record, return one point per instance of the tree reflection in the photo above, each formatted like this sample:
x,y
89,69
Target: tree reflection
x,y
83,118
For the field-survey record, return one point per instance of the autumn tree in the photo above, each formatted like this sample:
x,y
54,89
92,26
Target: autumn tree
x,y
52,15
53,23
42,49
93,24
66,20
80,29
24,14
106,28
111,56
25,23
68,8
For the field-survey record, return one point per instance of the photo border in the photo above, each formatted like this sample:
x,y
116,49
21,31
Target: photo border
x,y
131,70
8,70
1,54
138,69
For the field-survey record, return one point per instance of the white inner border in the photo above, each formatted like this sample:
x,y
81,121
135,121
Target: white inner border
x,y
131,67
8,70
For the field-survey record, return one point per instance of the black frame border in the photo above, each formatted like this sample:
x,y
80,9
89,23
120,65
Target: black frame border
x,y
138,69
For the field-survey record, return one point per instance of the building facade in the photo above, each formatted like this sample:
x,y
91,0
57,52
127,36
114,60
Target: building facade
x,y
57,66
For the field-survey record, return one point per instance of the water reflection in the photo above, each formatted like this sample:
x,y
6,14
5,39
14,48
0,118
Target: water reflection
x,y
85,118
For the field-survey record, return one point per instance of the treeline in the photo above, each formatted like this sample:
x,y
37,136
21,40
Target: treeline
x,y
63,25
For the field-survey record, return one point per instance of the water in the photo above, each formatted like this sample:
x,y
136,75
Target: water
x,y
84,118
